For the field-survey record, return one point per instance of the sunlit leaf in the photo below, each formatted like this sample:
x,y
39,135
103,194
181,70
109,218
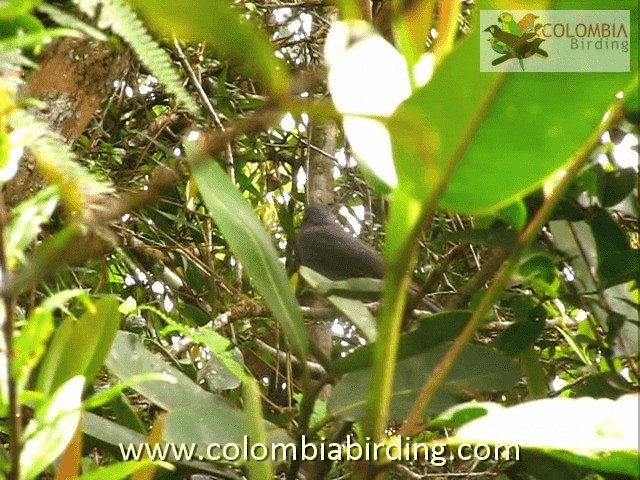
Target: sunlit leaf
x,y
89,337
122,470
368,78
255,428
502,134
52,428
600,434
353,309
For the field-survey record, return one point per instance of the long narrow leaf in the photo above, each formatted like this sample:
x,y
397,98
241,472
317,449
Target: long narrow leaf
x,y
251,244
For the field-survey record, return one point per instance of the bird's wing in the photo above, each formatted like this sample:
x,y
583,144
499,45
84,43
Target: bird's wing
x,y
338,255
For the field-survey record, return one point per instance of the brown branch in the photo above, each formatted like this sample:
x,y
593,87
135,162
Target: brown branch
x,y
488,270
78,242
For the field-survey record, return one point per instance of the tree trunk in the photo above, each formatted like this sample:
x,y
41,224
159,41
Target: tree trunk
x,y
75,76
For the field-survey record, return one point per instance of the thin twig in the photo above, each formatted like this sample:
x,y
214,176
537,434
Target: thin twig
x,y
8,301
228,152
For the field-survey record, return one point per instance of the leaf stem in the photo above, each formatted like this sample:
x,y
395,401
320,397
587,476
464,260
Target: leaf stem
x,y
396,283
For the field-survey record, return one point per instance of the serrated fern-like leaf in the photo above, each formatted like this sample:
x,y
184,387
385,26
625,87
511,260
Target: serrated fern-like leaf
x,y
122,20
57,164
66,20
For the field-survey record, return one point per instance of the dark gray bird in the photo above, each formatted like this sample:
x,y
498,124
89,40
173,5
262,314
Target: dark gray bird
x,y
325,246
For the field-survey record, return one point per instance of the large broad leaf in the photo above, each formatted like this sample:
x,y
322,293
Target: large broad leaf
x,y
194,415
52,428
599,434
216,22
128,444
478,369
432,330
251,245
206,426
522,333
128,358
80,346
504,133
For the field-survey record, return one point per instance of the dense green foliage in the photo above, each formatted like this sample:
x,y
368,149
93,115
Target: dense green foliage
x,y
149,292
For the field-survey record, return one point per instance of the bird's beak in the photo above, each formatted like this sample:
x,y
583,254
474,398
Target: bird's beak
x,y
488,29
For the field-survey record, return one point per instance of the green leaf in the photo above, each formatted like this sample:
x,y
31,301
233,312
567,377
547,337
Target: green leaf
x,y
255,429
193,413
122,470
604,385
534,372
128,358
431,330
218,23
617,262
126,415
614,308
203,426
358,314
224,371
632,105
105,396
504,134
108,432
352,287
251,244
539,270
62,18
89,338
459,415
17,8
599,434
31,341
478,369
354,310
521,335
120,440
52,428
27,220
514,214
37,38
616,185
534,465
